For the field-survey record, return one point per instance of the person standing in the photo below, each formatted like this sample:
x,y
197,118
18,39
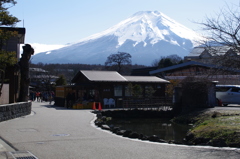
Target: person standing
x,y
51,97
38,96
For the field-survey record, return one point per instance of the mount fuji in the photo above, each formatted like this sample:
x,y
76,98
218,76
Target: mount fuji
x,y
147,35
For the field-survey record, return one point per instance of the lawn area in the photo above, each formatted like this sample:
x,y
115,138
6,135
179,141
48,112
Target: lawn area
x,y
212,127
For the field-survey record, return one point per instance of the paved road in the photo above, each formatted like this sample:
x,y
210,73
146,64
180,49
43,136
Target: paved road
x,y
229,107
54,132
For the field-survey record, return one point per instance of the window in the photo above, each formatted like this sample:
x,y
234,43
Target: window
x,y
117,90
128,91
235,89
222,89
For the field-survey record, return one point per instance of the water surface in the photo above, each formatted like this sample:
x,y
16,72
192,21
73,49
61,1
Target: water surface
x,y
163,128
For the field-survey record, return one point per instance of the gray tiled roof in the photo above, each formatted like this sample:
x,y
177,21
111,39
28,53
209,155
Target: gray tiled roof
x,y
37,70
214,50
113,76
103,76
196,51
145,79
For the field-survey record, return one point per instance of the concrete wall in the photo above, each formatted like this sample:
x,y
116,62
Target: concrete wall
x,y
14,110
4,99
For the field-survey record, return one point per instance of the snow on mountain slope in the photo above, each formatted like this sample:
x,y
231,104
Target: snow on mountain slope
x,y
146,36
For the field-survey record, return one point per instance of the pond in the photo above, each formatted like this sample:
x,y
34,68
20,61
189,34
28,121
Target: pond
x,y
162,127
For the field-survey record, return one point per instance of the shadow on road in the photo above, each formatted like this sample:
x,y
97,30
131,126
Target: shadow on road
x,y
57,107
53,106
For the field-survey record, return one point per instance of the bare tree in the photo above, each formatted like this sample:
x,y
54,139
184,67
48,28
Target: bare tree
x,y
224,29
223,34
118,60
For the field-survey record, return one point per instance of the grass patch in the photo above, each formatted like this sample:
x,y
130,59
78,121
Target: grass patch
x,y
214,125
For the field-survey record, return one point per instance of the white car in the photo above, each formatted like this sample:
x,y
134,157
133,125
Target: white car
x,y
228,94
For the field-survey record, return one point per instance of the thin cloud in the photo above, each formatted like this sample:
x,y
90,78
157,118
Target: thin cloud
x,y
38,48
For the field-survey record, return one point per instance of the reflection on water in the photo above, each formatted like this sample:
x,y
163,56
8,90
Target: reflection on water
x,y
163,128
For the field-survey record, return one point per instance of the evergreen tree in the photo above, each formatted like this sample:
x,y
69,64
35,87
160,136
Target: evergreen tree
x,y
137,91
169,61
7,58
165,62
61,81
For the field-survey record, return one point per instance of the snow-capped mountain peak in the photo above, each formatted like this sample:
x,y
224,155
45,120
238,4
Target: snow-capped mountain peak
x,y
144,33
144,25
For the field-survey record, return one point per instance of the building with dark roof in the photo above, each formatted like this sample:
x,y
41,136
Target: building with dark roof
x,y
98,85
213,72
142,71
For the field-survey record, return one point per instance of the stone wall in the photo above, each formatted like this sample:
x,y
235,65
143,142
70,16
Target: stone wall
x,y
14,110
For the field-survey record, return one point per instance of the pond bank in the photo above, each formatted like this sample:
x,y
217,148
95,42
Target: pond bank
x,y
220,128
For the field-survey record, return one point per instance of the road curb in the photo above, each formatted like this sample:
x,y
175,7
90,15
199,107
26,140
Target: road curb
x,y
5,148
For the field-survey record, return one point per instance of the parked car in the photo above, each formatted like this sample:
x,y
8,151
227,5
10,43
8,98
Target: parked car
x,y
228,94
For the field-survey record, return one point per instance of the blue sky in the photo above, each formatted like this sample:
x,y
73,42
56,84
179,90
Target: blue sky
x,y
61,22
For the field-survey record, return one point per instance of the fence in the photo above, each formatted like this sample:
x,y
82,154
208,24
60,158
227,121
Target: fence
x,y
152,104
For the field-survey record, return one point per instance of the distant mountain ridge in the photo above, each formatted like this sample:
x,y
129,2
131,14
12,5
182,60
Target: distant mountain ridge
x,y
147,35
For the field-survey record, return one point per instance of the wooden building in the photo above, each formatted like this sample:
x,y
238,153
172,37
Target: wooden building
x,y
97,85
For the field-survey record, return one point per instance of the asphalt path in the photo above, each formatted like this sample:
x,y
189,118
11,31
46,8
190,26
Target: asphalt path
x,y
229,107
52,132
